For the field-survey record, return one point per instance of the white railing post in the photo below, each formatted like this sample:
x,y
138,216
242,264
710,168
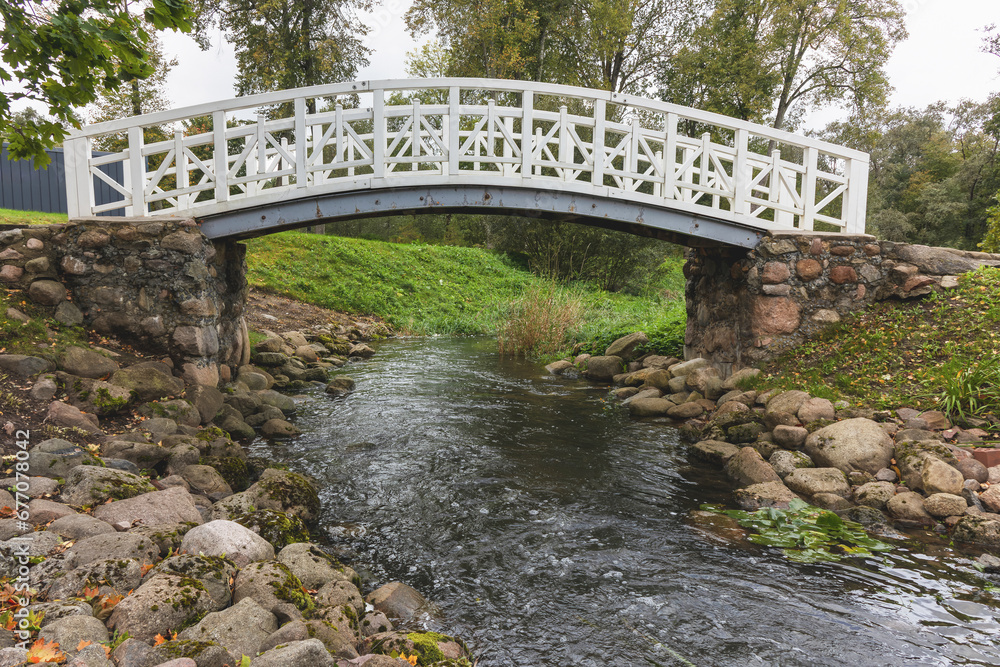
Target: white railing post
x,y
741,174
597,147
180,168
378,133
670,158
564,157
527,132
856,201
79,182
137,173
415,132
221,155
454,126
810,159
632,159
301,144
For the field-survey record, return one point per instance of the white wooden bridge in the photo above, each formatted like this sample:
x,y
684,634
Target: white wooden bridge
x,y
374,148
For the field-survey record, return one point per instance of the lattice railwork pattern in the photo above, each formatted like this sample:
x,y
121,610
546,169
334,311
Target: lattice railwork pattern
x,y
322,140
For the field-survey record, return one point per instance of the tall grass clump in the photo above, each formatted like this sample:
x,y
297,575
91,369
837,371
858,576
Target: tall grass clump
x,y
973,390
538,323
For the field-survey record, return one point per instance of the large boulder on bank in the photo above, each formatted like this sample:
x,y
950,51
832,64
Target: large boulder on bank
x,y
812,481
850,445
216,538
649,406
271,585
748,467
214,572
86,363
306,652
92,485
149,381
978,530
603,369
162,603
313,566
625,347
173,505
767,494
56,457
397,600
24,366
241,629
908,508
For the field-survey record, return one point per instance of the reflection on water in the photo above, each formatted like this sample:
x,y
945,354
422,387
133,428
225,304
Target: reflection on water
x,y
552,530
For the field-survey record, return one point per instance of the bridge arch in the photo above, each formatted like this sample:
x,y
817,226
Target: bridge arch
x,y
472,145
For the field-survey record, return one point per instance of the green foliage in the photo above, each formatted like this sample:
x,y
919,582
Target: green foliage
x,y
973,390
772,61
282,45
63,53
991,242
538,323
806,534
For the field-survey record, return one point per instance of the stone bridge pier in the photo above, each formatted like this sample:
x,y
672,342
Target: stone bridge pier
x,y
159,285
746,306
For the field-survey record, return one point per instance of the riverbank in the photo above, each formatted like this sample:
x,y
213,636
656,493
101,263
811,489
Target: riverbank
x,y
147,532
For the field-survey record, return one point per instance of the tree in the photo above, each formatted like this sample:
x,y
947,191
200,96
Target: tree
x,y
282,45
805,53
63,53
137,97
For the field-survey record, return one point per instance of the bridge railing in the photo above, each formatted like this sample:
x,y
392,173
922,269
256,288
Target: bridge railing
x,y
319,140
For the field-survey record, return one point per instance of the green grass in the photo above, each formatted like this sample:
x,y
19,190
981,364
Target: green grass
x,y
919,353
12,217
425,289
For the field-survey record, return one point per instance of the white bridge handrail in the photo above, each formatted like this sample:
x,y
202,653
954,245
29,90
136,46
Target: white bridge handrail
x,y
417,132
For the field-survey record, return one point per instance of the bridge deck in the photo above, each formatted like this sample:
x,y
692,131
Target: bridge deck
x,y
552,151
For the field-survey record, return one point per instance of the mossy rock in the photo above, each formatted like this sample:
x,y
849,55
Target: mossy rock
x,y
233,469
289,491
278,528
203,653
256,465
431,648
270,583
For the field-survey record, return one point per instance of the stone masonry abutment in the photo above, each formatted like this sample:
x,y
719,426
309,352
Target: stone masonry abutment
x,y
746,306
159,285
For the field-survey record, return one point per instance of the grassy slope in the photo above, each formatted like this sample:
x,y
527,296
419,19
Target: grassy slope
x,y
431,289
11,217
905,353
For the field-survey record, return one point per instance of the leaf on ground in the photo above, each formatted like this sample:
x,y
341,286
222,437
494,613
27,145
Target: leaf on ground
x,y
45,651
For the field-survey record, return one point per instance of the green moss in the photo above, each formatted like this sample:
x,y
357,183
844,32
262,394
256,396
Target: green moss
x,y
290,589
292,490
278,528
426,646
211,433
108,403
258,464
183,648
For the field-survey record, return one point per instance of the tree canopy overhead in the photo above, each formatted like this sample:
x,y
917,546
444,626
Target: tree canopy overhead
x,y
64,53
281,44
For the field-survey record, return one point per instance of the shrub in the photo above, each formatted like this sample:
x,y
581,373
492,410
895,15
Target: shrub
x,y
538,322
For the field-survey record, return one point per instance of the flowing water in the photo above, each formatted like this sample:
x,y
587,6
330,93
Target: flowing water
x,y
552,530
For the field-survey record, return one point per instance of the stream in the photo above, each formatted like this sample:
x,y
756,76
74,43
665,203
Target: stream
x,y
553,530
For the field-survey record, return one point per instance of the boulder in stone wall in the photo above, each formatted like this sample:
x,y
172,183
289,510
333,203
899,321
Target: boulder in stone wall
x,y
706,381
86,363
715,452
748,467
240,629
685,367
813,481
990,498
849,445
789,437
649,406
603,369
936,261
775,315
47,292
814,409
625,347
